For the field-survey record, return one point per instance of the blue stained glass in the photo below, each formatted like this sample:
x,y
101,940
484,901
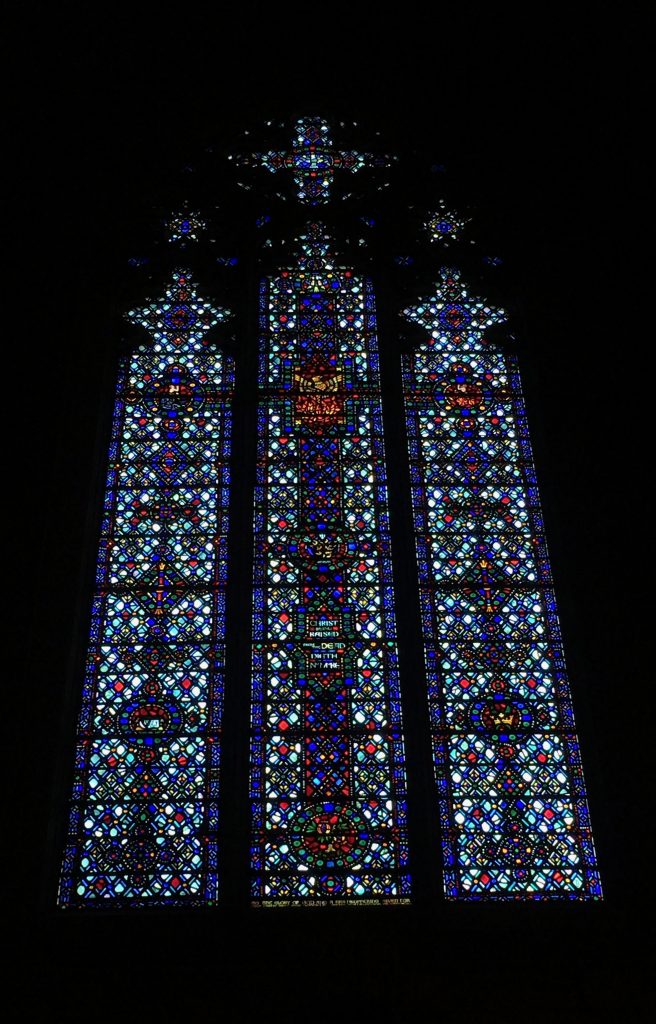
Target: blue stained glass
x,y
327,751
515,823
444,225
328,778
185,226
313,159
143,823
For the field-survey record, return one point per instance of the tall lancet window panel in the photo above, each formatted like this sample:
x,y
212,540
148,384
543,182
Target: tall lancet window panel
x,y
143,824
328,776
515,821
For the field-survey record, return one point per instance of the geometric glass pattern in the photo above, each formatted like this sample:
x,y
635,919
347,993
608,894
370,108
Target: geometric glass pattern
x,y
513,810
143,822
314,160
185,226
444,225
327,759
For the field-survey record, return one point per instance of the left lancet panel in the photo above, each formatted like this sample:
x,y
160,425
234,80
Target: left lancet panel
x,y
143,824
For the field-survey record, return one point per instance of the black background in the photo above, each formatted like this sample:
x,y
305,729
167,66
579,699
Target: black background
x,y
534,117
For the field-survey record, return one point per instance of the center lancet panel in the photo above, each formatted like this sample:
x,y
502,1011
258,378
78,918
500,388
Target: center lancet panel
x,y
328,776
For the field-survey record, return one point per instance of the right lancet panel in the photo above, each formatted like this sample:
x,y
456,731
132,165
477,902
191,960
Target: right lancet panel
x,y
513,809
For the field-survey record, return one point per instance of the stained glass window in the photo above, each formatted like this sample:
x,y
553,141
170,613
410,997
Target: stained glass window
x,y
143,825
513,808
325,818
328,779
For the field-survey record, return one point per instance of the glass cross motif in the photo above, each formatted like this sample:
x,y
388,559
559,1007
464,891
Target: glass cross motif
x,y
314,160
